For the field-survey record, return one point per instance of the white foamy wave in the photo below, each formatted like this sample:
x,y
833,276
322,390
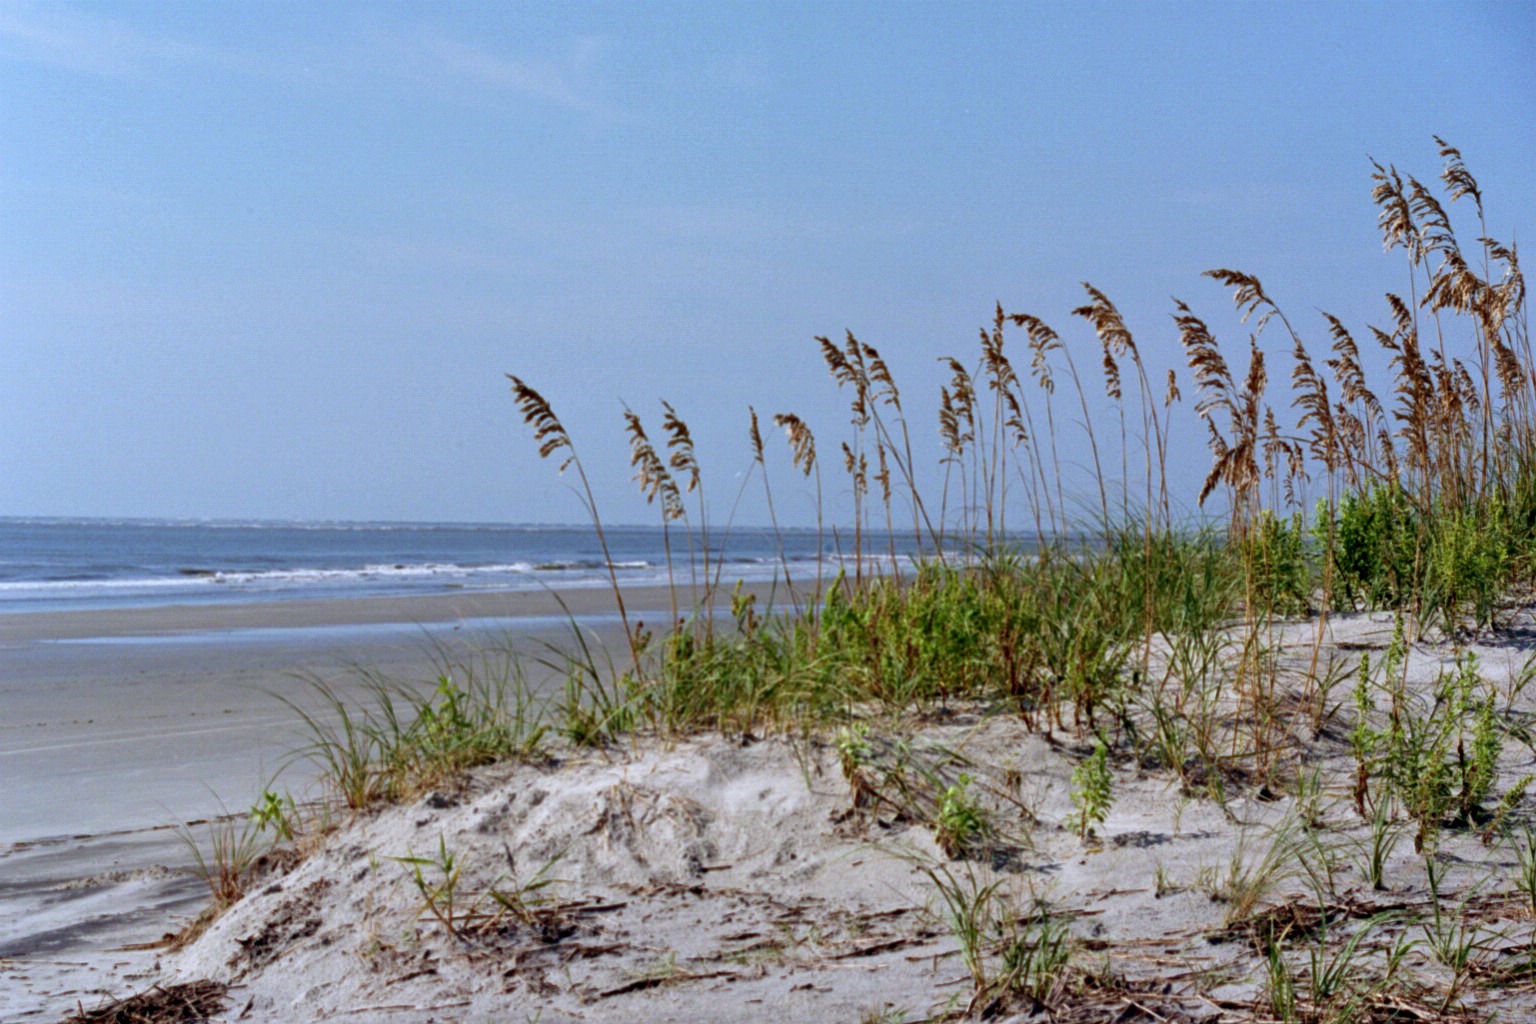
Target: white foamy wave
x,y
192,580
367,572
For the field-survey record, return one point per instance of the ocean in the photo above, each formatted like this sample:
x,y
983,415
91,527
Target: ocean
x,y
49,564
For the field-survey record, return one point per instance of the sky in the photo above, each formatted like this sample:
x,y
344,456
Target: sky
x,y
274,260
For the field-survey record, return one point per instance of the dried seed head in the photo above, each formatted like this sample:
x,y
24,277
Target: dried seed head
x,y
1107,323
1312,399
547,429
964,394
802,443
680,443
949,425
1396,216
1247,294
650,472
847,367
1000,374
1042,341
1111,375
1456,176
756,436
857,467
885,385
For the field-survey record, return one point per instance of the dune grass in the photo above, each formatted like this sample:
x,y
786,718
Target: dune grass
x,y
1153,636
1150,641
1151,633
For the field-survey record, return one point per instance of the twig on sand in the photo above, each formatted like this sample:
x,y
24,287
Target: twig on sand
x,y
392,1007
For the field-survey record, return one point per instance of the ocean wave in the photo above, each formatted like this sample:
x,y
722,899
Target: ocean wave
x,y
194,577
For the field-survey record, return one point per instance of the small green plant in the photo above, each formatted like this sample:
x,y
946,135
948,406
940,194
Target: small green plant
x,y
1162,885
1377,847
1092,790
1456,941
1364,740
962,824
1511,799
531,902
1277,564
1003,951
400,740
1280,988
970,911
1334,985
854,752
1372,541
227,862
1439,761
436,878
1467,565
1247,880
279,813
1034,955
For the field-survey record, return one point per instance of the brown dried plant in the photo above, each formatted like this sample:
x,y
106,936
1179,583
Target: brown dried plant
x,y
1415,390
1119,344
883,391
551,435
957,429
755,437
802,446
1236,456
655,482
1360,414
683,461
650,472
1044,340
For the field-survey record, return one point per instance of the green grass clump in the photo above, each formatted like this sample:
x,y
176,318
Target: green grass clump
x,y
404,740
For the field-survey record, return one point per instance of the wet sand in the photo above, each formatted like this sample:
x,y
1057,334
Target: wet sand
x,y
130,718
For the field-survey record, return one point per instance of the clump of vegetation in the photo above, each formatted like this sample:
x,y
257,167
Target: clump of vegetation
x,y
1428,508
507,902
1010,955
1092,790
1158,638
962,824
409,740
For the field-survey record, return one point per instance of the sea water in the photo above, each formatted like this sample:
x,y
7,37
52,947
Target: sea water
x,y
49,564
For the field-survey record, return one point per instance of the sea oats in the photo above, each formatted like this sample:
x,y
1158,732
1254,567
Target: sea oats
x,y
1456,176
547,428
802,443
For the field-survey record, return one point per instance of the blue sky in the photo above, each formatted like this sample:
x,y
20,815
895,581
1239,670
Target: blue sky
x,y
273,259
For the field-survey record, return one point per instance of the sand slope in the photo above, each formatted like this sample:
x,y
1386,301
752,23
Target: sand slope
x,y
715,879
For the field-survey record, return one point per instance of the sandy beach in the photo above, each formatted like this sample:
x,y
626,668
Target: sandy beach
x,y
688,879
124,723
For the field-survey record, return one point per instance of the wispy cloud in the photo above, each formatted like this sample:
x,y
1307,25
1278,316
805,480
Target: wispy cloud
x,y
572,80
570,76
59,36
